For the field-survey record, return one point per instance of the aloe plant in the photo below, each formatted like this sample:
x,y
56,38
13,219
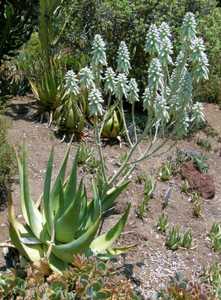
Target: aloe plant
x,y
113,124
66,223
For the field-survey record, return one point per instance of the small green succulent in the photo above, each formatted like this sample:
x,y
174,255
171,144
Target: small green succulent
x,y
215,237
149,187
173,238
187,239
166,171
162,223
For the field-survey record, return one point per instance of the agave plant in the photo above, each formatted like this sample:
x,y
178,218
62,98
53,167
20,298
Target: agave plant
x,y
46,83
66,222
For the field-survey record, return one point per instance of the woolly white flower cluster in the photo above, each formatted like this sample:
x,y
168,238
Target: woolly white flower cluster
x,y
171,95
95,101
123,59
168,96
71,83
98,51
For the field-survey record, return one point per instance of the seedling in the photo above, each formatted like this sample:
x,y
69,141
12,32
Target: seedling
x,y
92,165
197,205
204,144
213,276
184,187
149,188
200,163
173,238
84,154
186,241
166,171
162,223
215,237
197,208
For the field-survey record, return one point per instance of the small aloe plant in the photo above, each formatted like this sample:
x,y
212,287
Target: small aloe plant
x,y
215,237
66,223
166,171
162,223
187,239
149,187
173,238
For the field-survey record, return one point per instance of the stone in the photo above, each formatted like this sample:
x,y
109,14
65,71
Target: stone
x,y
201,183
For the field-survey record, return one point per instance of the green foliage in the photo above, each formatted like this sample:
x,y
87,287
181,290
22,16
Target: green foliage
x,y
66,223
204,144
162,223
186,241
184,187
12,79
46,83
149,187
180,288
84,153
200,163
210,26
212,276
215,237
113,124
175,238
197,208
86,278
166,171
126,20
17,19
7,155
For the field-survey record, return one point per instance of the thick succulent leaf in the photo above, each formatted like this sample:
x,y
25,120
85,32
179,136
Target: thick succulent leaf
x,y
110,253
105,241
84,203
48,213
29,240
66,251
56,264
119,250
112,194
71,186
93,209
30,212
55,193
16,229
67,225
60,209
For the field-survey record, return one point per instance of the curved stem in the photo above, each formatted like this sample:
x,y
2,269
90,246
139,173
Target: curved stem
x,y
125,124
134,123
129,155
98,143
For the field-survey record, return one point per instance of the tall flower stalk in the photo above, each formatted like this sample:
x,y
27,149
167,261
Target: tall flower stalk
x,y
167,99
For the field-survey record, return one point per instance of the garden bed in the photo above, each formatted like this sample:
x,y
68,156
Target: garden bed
x,y
150,263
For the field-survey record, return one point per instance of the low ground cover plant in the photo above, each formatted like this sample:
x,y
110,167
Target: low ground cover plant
x,y
85,279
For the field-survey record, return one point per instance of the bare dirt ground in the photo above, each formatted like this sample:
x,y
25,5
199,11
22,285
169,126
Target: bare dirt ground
x,y
150,264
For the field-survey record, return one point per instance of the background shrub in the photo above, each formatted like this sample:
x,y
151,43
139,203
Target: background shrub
x,y
210,27
7,156
129,21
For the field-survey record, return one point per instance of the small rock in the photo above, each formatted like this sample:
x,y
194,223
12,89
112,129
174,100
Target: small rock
x,y
202,183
